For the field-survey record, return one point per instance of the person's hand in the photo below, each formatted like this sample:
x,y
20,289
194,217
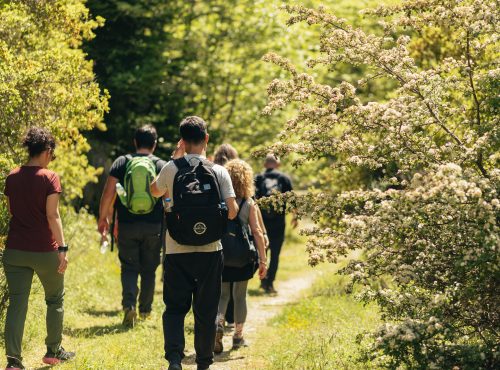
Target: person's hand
x,y
115,230
180,150
262,269
103,226
63,262
266,241
295,222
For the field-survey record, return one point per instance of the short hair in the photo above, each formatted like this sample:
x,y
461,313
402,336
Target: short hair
x,y
38,140
242,178
145,137
224,154
272,159
193,129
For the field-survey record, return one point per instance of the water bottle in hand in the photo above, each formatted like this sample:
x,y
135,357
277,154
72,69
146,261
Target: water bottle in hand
x,y
104,245
167,204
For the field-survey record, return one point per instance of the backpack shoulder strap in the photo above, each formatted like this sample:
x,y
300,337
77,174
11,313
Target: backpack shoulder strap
x,y
129,157
181,163
242,203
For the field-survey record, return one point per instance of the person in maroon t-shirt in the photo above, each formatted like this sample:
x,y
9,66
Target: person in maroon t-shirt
x,y
35,244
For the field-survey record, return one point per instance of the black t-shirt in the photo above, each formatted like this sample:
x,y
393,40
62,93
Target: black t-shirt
x,y
284,184
118,171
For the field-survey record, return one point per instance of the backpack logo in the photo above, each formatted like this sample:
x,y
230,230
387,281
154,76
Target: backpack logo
x,y
200,228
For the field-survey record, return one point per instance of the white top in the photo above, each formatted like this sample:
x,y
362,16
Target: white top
x,y
165,182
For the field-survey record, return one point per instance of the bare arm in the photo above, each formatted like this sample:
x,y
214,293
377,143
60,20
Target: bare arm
x,y
232,207
156,191
262,226
107,198
258,236
55,224
54,219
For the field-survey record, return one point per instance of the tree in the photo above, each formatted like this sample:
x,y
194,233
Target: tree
x,y
45,80
431,224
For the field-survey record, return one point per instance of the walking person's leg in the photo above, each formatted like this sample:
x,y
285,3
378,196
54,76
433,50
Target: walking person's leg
x,y
275,245
222,312
178,286
240,311
205,305
150,252
19,279
53,286
129,242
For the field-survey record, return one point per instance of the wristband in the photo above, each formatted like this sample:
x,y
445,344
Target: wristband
x,y
62,249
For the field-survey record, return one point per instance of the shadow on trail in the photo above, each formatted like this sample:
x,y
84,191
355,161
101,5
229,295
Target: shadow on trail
x,y
107,313
223,357
257,293
96,331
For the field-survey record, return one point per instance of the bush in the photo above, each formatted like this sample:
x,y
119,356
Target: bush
x,y
431,222
46,81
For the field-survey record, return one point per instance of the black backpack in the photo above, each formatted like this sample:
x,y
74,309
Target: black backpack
x,y
198,216
237,244
269,184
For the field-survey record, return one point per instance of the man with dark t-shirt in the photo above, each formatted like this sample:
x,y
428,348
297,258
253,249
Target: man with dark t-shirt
x,y
266,183
139,242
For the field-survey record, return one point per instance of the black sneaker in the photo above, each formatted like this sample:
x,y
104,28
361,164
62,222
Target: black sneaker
x,y
219,347
270,290
239,342
129,317
175,366
61,355
14,363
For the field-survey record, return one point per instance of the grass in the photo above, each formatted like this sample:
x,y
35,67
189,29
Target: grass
x,y
316,333
319,331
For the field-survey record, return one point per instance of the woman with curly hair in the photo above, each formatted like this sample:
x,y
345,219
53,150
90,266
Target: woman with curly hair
x,y
242,178
35,244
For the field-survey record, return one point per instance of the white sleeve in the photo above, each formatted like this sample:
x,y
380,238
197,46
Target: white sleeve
x,y
226,186
163,176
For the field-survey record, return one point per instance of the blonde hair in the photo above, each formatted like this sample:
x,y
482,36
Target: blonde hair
x,y
242,177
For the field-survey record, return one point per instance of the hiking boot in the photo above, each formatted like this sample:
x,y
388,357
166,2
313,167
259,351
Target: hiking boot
x,y
218,348
14,363
270,290
239,342
61,355
175,366
129,317
264,284
144,315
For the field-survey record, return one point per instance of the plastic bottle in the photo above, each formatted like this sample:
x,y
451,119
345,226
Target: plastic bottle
x,y
120,190
104,245
167,204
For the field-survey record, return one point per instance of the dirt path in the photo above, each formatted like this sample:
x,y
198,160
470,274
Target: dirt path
x,y
260,310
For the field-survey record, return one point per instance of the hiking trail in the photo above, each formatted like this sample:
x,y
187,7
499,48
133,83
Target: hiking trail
x,y
261,308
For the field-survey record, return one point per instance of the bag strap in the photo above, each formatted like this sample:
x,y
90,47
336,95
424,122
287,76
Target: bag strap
x,y
181,163
240,207
129,157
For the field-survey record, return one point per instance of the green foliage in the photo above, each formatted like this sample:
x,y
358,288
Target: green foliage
x,y
46,81
431,220
319,331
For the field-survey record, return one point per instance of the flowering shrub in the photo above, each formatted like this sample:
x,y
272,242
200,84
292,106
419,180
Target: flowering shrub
x,y
431,223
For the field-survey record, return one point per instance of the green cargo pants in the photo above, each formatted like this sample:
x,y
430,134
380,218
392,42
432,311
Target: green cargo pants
x,y
19,267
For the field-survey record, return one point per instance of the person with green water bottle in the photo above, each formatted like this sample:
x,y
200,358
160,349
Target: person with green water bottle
x,y
139,216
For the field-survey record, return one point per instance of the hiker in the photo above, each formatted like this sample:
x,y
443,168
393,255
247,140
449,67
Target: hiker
x,y
226,153
35,245
195,191
223,154
272,180
139,217
235,278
